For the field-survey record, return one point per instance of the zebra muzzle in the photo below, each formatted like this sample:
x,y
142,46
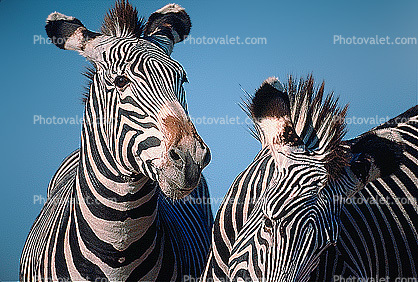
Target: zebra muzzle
x,y
182,170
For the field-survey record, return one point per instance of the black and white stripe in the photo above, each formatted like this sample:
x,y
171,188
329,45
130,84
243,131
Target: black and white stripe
x,y
379,238
287,215
125,206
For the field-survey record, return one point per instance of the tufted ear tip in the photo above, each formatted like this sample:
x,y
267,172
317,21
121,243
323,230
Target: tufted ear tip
x,y
56,16
171,22
275,83
67,32
60,27
171,8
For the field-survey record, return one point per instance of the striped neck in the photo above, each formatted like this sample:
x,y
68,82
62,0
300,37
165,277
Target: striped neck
x,y
113,210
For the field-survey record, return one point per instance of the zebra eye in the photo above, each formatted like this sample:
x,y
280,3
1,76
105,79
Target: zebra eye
x,y
268,224
121,81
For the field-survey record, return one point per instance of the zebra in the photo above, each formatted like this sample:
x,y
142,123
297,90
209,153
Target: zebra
x,y
129,204
378,238
292,214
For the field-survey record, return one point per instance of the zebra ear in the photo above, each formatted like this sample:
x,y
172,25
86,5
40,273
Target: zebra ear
x,y
168,26
68,32
270,111
373,157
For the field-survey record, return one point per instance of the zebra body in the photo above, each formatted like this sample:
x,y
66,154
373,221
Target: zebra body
x,y
129,205
169,250
287,218
379,238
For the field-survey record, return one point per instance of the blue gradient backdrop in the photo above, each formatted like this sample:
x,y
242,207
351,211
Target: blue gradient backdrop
x,y
40,79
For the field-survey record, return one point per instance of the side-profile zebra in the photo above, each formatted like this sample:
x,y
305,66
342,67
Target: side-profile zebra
x,y
283,211
110,214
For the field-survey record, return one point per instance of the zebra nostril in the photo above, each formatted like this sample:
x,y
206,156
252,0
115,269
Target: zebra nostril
x,y
174,155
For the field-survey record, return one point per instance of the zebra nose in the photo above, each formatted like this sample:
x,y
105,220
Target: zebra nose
x,y
190,166
181,158
177,156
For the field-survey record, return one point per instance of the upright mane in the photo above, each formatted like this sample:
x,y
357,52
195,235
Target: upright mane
x,y
122,21
319,122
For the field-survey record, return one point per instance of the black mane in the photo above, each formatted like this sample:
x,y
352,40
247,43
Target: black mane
x,y
320,123
122,21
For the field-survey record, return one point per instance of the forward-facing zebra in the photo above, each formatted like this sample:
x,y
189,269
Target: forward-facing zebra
x,y
109,213
283,211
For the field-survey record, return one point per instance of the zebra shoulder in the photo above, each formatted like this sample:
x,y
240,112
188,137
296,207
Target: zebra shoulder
x,y
40,247
65,173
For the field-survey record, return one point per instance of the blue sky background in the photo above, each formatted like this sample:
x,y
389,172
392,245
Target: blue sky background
x,y
40,79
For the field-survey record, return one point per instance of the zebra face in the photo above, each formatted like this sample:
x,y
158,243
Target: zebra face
x,y
295,219
149,131
136,106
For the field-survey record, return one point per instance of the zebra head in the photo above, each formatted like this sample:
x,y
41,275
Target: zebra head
x,y
297,215
136,110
